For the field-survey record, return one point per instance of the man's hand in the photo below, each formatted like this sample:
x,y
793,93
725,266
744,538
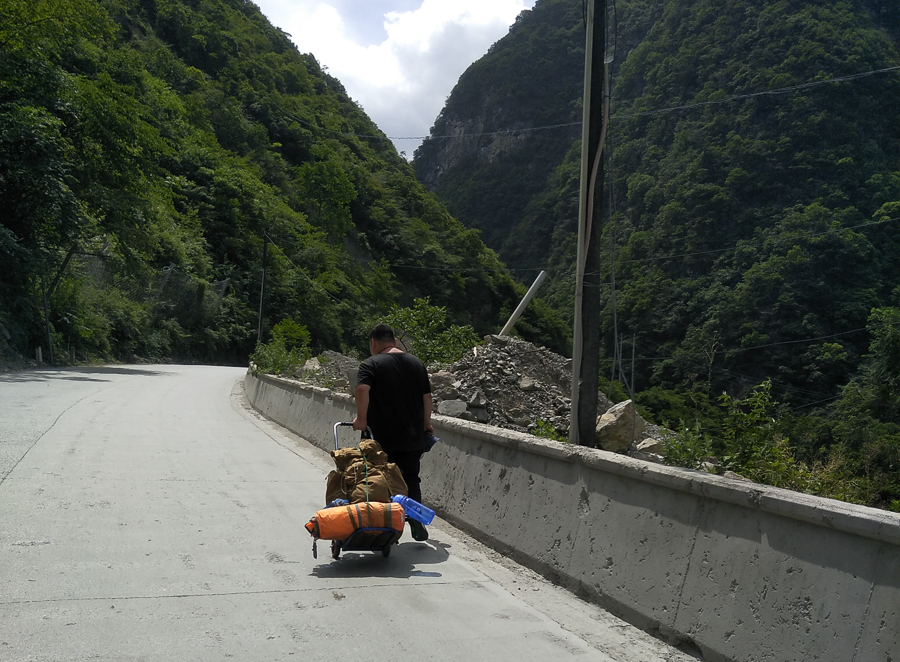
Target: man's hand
x,y
361,393
427,401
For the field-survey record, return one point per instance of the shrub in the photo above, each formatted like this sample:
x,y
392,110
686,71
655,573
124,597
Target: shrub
x,y
689,447
421,328
293,335
288,350
753,448
547,431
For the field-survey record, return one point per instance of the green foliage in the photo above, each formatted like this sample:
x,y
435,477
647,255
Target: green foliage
x,y
423,329
274,358
292,335
745,438
171,140
328,192
667,406
750,212
547,431
689,447
751,445
50,25
881,373
288,350
613,389
864,421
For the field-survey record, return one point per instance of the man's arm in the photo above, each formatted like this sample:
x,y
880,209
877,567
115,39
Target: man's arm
x,y
426,401
362,406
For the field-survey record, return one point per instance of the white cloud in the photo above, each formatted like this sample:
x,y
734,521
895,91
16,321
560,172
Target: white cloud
x,y
402,80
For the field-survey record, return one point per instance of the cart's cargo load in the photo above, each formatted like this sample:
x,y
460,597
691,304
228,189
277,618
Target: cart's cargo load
x,y
362,483
341,522
363,475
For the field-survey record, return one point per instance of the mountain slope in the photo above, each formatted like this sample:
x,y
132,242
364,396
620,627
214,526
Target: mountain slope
x,y
153,151
741,181
491,145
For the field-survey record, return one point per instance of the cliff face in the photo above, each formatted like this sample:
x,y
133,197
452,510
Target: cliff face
x,y
508,122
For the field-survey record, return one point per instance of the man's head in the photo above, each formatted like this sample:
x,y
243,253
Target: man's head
x,y
380,338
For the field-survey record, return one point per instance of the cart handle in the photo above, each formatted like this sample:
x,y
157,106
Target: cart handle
x,y
344,424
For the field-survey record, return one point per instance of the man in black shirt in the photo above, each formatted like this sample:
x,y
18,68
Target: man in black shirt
x,y
393,398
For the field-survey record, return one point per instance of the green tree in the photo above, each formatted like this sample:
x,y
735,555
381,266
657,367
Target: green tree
x,y
328,192
423,329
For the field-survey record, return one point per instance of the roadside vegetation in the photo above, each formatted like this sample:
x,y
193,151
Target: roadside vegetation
x,y
175,175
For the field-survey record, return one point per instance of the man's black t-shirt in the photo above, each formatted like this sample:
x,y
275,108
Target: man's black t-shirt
x,y
396,414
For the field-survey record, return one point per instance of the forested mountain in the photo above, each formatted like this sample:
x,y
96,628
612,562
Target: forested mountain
x,y
152,152
751,209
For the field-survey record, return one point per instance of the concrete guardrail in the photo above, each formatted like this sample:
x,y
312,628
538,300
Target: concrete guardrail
x,y
738,570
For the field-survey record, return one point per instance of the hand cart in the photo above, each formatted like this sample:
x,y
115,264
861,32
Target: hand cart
x,y
372,539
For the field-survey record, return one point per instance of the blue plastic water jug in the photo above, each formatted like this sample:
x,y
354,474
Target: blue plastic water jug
x,y
430,441
414,509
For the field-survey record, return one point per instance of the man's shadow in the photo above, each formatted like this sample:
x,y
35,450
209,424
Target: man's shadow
x,y
405,561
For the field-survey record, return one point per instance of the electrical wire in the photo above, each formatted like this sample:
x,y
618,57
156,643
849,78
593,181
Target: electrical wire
x,y
302,272
751,95
618,115
802,235
671,256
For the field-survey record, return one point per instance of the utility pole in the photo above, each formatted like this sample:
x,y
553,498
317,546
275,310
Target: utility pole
x,y
586,336
48,292
262,287
529,295
47,321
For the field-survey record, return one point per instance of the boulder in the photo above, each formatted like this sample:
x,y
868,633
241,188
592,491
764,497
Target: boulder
x,y
441,379
618,427
454,408
478,399
650,445
444,386
309,369
527,384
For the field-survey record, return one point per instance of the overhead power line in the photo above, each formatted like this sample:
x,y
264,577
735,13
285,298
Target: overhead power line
x,y
616,115
751,95
672,256
802,235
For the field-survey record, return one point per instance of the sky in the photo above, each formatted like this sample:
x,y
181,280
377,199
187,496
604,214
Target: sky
x,y
399,59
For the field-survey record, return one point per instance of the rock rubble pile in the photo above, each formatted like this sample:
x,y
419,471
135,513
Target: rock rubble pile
x,y
513,384
509,383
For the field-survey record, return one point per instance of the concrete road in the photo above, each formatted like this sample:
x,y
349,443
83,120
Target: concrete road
x,y
145,514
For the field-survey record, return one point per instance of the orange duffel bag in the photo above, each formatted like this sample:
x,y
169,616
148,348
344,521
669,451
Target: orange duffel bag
x,y
339,522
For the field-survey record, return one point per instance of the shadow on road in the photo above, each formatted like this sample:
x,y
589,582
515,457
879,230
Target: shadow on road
x,y
77,374
405,562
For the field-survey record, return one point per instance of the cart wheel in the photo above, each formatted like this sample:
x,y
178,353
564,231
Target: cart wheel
x,y
386,551
335,548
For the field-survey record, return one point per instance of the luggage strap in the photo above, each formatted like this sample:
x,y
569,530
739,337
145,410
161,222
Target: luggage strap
x,y
354,508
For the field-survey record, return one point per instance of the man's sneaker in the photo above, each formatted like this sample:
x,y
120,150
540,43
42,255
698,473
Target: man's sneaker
x,y
418,530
